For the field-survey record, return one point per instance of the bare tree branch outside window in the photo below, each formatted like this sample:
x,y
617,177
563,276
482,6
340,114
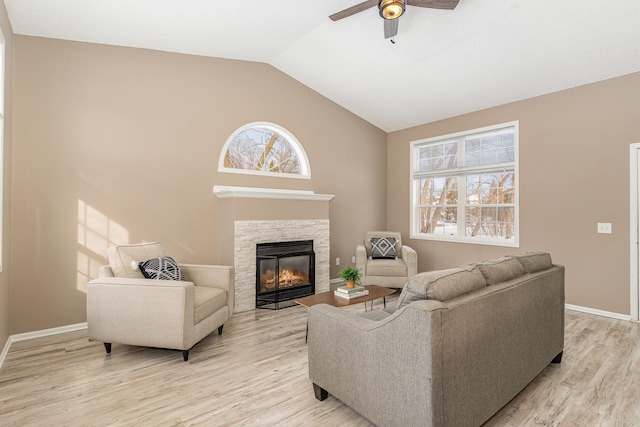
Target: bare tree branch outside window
x,y
262,149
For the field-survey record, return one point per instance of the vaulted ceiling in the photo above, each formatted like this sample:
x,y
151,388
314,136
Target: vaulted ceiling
x,y
441,64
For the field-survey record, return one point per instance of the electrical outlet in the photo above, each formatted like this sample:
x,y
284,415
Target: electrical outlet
x,y
337,261
604,227
353,259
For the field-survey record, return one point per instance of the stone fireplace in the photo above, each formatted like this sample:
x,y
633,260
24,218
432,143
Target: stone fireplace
x,y
250,217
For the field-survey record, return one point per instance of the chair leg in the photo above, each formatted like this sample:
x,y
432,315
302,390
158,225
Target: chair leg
x,y
107,346
558,358
321,394
220,329
185,355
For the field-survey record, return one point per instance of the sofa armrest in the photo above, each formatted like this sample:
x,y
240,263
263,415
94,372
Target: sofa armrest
x,y
215,276
389,370
410,258
155,313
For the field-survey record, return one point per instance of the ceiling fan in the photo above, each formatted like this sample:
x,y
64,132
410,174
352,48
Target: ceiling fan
x,y
391,10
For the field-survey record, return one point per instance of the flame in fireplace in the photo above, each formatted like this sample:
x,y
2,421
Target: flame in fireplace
x,y
287,278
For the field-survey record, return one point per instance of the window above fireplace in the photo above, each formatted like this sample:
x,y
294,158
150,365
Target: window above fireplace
x,y
263,148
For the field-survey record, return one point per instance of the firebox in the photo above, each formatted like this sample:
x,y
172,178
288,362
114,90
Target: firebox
x,y
284,271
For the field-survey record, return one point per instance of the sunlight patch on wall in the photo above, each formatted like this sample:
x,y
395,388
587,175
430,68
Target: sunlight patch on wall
x,y
96,232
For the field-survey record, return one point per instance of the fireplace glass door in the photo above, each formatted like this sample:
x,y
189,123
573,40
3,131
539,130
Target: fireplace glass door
x,y
285,271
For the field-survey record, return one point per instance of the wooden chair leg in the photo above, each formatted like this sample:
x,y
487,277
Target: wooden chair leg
x,y
107,346
185,355
220,329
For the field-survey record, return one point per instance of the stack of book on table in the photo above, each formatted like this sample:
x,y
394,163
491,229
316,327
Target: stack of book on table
x,y
349,293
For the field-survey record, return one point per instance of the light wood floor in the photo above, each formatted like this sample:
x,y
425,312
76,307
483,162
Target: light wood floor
x,y
255,374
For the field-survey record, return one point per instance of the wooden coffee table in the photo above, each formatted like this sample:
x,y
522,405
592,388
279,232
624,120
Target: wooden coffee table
x,y
375,292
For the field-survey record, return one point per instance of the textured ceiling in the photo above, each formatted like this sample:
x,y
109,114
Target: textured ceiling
x,y
443,63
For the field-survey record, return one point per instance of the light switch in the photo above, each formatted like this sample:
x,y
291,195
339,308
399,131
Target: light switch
x,y
353,259
604,227
337,261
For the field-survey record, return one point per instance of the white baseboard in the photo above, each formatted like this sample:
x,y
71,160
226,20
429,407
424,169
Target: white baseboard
x,y
598,312
38,334
48,332
5,351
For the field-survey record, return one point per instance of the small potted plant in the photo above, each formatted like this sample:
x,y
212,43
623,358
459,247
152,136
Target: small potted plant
x,y
351,275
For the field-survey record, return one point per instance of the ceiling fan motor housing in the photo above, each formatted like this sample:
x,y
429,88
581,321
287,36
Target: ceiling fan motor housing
x,y
391,9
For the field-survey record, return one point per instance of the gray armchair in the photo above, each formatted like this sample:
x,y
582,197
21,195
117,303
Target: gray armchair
x,y
125,307
392,272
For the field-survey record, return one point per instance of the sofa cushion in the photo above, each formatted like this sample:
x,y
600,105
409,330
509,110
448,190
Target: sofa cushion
x,y
123,258
442,285
386,267
207,301
162,268
383,247
534,261
501,269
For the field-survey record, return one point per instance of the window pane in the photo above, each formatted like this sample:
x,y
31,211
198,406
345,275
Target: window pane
x,y
490,188
490,148
262,149
495,222
439,220
439,156
506,222
438,190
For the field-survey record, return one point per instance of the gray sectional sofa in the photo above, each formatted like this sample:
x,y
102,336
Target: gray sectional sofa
x,y
459,345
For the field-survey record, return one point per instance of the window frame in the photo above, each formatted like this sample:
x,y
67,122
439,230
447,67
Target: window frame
x,y
3,75
305,167
461,173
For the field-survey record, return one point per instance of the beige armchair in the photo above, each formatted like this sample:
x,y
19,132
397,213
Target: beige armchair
x,y
125,307
392,272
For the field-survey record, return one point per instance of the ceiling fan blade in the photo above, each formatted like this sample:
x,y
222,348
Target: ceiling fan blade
x,y
354,9
434,4
390,28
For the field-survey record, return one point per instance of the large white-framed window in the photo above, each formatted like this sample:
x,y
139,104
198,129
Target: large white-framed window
x,y
464,186
263,148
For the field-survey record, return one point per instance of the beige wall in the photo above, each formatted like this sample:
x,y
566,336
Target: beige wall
x,y
5,292
574,173
133,137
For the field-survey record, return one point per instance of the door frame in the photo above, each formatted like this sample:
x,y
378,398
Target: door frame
x,y
634,228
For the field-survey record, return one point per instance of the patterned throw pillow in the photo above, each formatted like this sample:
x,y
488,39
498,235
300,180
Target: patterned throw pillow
x,y
163,268
383,247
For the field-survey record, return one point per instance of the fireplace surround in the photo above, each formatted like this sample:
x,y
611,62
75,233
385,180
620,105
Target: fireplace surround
x,y
250,216
248,234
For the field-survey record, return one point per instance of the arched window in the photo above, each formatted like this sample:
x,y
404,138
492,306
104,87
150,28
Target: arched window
x,y
264,148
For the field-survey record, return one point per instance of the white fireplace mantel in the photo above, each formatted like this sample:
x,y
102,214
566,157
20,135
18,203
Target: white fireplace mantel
x,y
228,192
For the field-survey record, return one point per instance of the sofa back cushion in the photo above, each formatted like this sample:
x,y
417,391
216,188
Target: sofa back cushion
x,y
442,285
121,258
501,269
534,261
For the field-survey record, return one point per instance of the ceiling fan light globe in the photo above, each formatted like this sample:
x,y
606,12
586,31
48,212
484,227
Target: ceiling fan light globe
x,y
391,9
